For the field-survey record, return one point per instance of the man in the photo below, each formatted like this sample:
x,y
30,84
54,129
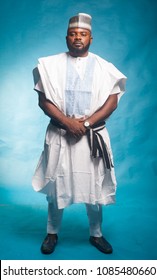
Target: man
x,y
78,90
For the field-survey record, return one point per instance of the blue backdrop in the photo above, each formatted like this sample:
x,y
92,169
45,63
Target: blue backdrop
x,y
124,33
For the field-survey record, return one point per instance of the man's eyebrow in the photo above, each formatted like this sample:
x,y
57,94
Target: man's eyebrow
x,y
81,32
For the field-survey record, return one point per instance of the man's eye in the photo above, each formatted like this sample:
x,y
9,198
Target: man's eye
x,y
84,34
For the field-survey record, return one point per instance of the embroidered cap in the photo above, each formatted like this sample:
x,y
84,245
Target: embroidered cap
x,y
81,20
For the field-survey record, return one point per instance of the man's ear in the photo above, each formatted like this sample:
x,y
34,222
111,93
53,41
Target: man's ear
x,y
91,39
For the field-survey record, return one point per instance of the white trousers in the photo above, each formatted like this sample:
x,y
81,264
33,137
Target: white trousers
x,y
94,213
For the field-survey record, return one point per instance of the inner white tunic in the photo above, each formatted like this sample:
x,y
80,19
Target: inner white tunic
x,y
78,86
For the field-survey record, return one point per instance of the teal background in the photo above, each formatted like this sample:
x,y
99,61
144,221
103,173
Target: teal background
x,y
124,33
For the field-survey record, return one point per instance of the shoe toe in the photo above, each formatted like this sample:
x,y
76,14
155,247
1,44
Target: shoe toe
x,y
49,244
101,244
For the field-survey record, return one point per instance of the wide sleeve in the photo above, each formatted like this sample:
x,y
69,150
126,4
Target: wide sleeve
x,y
37,80
48,78
117,81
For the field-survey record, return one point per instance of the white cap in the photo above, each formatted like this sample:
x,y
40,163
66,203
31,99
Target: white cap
x,y
80,20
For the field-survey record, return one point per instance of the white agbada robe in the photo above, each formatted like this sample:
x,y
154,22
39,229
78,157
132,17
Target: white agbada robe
x,y
66,172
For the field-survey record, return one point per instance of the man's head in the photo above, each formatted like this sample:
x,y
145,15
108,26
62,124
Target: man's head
x,y
79,35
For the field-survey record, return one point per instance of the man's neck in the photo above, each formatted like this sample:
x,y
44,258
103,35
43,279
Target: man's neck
x,y
78,55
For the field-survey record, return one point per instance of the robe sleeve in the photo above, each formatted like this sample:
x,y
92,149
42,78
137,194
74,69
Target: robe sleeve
x,y
117,81
37,81
45,80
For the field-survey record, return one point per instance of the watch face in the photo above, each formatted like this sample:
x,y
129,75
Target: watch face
x,y
86,124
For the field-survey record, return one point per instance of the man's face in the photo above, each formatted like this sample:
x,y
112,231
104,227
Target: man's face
x,y
78,41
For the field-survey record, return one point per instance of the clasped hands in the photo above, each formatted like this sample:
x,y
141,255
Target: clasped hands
x,y
75,127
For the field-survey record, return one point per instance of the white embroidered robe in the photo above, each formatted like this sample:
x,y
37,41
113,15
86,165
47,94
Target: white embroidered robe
x,y
66,172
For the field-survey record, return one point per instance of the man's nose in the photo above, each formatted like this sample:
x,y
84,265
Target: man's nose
x,y
77,36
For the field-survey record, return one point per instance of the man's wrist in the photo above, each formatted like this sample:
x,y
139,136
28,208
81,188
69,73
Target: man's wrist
x,y
87,124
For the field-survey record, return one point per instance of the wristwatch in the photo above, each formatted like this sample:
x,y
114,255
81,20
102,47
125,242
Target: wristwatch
x,y
87,124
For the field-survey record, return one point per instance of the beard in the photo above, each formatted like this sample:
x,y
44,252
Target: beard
x,y
76,51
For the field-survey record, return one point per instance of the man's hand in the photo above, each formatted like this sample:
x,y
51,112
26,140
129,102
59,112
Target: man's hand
x,y
75,127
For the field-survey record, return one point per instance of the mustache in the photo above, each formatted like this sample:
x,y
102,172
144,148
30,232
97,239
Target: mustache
x,y
77,41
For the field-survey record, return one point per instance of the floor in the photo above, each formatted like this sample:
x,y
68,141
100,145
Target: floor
x,y
130,226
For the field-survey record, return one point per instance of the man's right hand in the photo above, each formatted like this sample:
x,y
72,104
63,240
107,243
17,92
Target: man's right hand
x,y
75,127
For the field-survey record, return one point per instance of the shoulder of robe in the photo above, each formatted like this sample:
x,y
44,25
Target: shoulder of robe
x,y
101,62
109,67
52,58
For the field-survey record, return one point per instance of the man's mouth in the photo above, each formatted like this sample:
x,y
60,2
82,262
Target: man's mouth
x,y
78,44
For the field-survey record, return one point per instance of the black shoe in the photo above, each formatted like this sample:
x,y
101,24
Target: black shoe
x,y
101,244
49,243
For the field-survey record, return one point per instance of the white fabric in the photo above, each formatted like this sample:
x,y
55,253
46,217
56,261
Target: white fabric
x,y
79,64
65,164
78,89
54,219
94,213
